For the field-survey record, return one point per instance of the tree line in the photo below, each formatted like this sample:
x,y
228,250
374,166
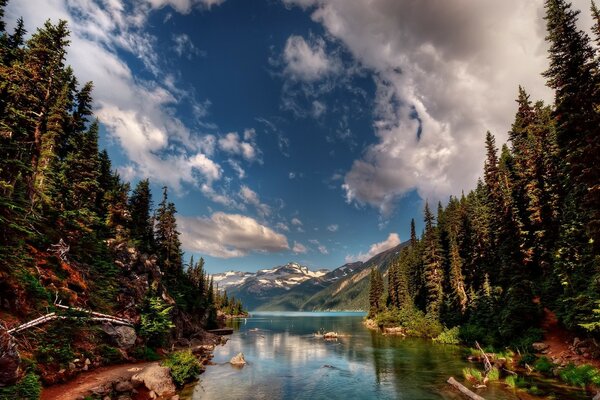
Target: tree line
x,y
528,236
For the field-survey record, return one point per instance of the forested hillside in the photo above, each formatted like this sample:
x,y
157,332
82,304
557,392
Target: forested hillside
x,y
528,237
74,234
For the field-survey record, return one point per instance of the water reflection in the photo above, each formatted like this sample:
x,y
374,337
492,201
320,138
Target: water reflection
x,y
286,361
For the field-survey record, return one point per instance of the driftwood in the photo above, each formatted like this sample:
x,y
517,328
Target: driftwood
x,y
463,389
94,316
486,361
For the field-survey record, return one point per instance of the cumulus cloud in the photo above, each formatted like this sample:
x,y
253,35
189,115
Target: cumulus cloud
x,y
229,235
392,240
137,113
307,61
184,6
250,197
246,147
445,73
299,248
333,228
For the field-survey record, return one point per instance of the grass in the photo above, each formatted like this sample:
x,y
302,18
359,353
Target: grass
x,y
581,376
473,375
515,382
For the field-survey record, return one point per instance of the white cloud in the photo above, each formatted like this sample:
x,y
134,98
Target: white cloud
x,y
229,235
237,168
307,61
249,196
137,113
295,221
184,6
232,143
446,69
184,47
299,248
282,227
333,228
392,240
322,249
292,175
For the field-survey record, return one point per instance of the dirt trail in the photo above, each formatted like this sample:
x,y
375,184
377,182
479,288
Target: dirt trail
x,y
84,383
560,340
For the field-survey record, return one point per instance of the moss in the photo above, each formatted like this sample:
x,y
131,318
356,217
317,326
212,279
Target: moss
x,y
28,388
184,366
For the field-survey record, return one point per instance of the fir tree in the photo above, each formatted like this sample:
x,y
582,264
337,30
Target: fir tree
x,y
168,246
142,224
433,264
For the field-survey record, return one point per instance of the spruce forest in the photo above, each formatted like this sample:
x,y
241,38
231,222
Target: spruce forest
x,y
528,237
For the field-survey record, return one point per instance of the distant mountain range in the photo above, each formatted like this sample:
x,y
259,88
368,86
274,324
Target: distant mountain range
x,y
293,287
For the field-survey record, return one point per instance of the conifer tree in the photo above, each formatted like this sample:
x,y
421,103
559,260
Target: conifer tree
x,y
433,264
142,224
168,246
375,292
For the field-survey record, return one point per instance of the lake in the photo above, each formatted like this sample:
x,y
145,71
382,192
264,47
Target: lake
x,y
286,361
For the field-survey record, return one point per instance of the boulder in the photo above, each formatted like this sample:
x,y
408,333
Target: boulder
x,y
156,379
123,386
10,362
238,360
122,336
540,346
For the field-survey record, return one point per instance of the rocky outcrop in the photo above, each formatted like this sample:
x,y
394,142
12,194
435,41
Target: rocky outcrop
x,y
238,360
155,378
10,363
123,337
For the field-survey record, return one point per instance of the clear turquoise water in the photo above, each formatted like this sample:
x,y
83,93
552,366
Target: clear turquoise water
x,y
286,361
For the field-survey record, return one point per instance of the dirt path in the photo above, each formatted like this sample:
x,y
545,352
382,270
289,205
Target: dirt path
x,y
560,342
84,383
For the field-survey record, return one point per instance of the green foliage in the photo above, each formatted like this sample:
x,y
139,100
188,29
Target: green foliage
x,y
28,388
184,366
515,381
544,365
494,374
414,321
32,286
582,375
109,354
155,321
449,336
473,375
146,353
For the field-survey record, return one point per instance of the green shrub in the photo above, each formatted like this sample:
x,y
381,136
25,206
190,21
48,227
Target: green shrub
x,y
415,322
530,336
155,321
544,365
28,388
471,333
146,353
449,336
184,366
582,375
109,354
528,359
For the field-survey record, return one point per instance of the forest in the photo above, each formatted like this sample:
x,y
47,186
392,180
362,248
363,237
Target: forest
x,y
527,238
74,235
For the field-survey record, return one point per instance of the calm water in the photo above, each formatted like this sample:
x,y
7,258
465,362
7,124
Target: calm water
x,y
286,361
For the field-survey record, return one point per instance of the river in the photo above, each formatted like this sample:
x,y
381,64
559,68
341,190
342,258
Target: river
x,y
286,361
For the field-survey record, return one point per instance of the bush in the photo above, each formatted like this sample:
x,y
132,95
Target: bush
x,y
449,336
155,321
514,381
415,322
582,375
28,388
146,353
110,355
544,365
184,366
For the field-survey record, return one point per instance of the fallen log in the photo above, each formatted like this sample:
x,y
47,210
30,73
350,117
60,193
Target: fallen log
x,y
463,389
97,314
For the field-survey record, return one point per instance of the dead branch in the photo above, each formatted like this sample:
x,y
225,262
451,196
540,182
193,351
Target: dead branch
x,y
464,390
486,361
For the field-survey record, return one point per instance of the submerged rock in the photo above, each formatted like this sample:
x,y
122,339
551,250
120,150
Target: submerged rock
x,y
238,360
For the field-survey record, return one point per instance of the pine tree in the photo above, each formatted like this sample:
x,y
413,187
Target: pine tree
x,y
375,292
142,224
457,281
168,246
433,264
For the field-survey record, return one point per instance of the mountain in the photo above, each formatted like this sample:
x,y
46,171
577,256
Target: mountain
x,y
254,289
346,289
293,287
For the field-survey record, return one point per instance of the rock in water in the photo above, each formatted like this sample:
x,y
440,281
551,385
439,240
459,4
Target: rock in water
x,y
238,360
155,378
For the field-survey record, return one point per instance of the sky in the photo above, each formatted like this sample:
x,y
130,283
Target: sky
x,y
301,130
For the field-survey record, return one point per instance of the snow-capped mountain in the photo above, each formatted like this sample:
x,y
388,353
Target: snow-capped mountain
x,y
255,288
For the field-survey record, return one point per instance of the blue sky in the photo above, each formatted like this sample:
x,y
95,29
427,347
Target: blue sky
x,y
300,130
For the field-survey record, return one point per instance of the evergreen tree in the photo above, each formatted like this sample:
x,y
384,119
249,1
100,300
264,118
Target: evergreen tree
x,y
168,246
433,263
375,292
142,224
